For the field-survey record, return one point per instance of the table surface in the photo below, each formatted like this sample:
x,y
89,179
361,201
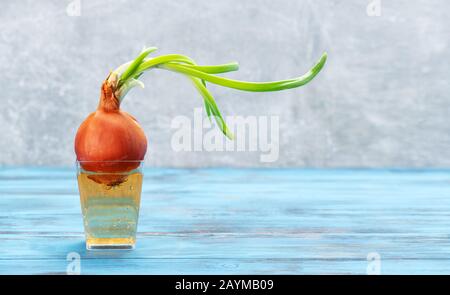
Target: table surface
x,y
238,221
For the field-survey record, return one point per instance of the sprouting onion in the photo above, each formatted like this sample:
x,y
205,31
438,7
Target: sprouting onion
x,y
126,76
111,141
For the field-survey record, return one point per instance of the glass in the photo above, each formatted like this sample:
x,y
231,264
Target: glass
x,y
110,204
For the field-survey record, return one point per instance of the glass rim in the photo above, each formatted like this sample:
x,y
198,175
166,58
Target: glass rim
x,y
112,161
109,167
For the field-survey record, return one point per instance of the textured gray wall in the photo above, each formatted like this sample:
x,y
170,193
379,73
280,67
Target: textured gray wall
x,y
382,101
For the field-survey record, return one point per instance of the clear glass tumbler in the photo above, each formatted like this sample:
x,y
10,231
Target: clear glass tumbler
x,y
110,204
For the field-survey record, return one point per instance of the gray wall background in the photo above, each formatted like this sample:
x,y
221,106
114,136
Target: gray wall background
x,y
382,101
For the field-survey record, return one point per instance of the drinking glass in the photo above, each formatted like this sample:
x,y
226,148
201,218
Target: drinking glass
x,y
110,203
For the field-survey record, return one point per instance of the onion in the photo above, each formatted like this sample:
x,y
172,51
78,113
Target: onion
x,y
110,142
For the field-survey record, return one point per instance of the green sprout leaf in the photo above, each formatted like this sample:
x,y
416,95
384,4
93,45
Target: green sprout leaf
x,y
131,70
199,74
249,86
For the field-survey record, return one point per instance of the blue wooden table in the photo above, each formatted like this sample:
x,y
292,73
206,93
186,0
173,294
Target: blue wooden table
x,y
238,221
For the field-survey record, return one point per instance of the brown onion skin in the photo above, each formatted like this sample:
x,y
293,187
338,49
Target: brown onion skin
x,y
110,140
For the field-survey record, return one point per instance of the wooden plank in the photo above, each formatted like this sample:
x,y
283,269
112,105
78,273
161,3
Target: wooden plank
x,y
195,245
263,220
213,266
